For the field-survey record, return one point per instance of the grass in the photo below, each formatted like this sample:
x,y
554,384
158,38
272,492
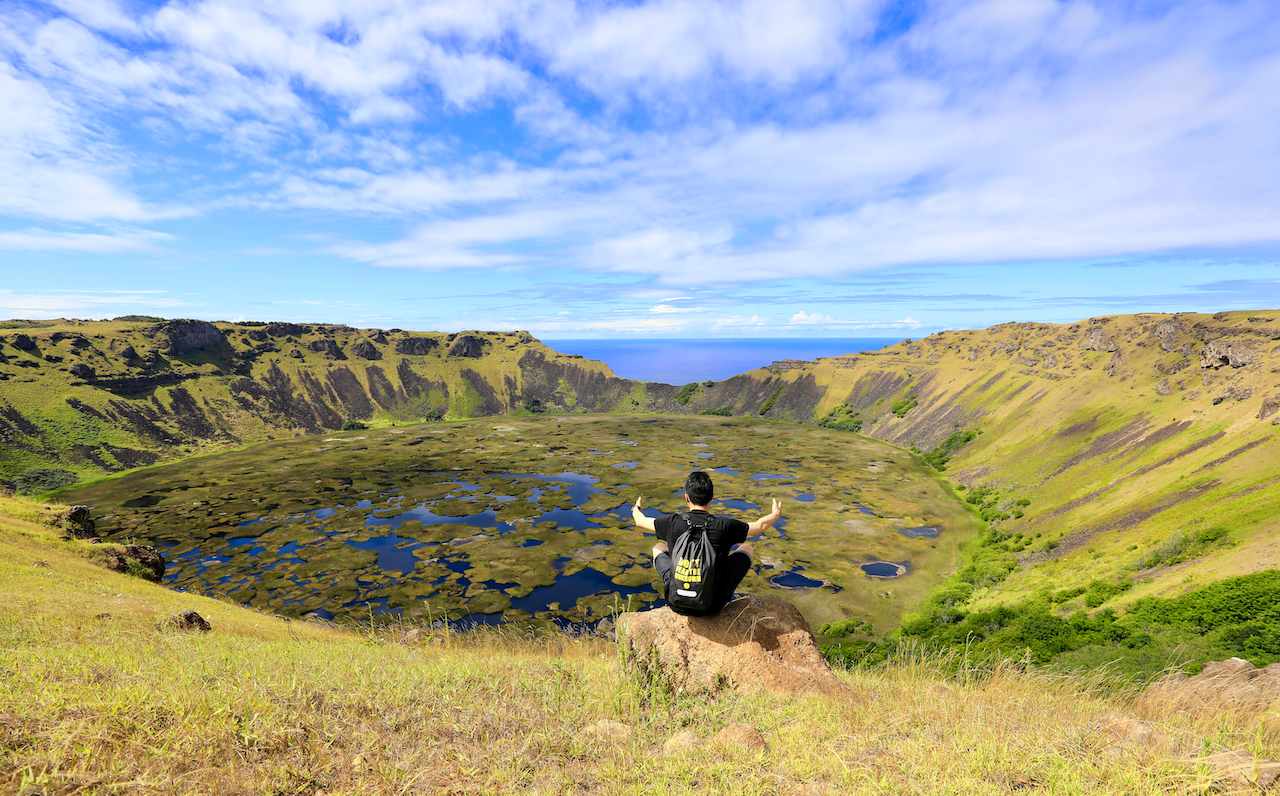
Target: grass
x,y
99,698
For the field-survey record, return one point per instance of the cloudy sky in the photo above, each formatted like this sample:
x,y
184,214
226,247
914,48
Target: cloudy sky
x,y
668,168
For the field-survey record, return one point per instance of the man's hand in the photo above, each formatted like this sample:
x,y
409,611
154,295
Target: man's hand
x,y
637,516
767,520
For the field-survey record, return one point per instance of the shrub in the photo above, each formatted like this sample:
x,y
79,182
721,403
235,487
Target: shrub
x,y
39,480
1100,591
354,425
724,411
1181,546
903,406
939,456
432,416
846,627
686,392
534,406
853,424
773,399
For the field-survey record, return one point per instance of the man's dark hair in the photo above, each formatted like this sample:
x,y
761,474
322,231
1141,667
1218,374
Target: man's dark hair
x,y
699,489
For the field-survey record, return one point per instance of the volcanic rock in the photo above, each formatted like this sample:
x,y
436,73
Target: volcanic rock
x,y
415,346
327,347
189,620
366,350
1097,338
1235,353
79,523
150,559
468,345
184,336
1269,407
757,643
127,353
83,371
1167,333
1232,686
23,342
378,337
287,329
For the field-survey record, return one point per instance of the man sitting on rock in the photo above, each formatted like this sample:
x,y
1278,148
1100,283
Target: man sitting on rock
x,y
723,532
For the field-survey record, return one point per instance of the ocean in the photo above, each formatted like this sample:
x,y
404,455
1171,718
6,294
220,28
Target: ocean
x,y
680,361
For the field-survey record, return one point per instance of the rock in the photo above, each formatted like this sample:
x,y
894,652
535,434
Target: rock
x,y
416,346
327,347
83,371
79,523
127,353
287,329
757,643
1164,388
1232,686
1269,407
1170,368
681,741
189,620
1097,338
1167,333
295,353
1238,770
257,335
184,336
1118,732
1235,353
742,736
378,337
607,730
366,350
23,342
1117,362
468,345
148,562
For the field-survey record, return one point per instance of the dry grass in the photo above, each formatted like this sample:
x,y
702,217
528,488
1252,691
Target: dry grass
x,y
117,704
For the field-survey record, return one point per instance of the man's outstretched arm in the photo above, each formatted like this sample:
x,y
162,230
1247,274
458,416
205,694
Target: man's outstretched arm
x,y
766,521
638,516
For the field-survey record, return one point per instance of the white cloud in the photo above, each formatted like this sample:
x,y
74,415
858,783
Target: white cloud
x,y
42,240
83,304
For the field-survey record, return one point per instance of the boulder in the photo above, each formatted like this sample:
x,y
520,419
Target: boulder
x,y
128,352
415,346
741,736
1233,686
1269,407
366,350
142,560
189,620
79,523
680,742
1238,771
607,730
1235,353
184,336
378,337
83,371
757,643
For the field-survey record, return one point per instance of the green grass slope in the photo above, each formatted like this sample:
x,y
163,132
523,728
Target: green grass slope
x,y
98,696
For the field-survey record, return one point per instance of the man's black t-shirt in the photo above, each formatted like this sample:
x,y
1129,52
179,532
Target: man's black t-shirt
x,y
724,532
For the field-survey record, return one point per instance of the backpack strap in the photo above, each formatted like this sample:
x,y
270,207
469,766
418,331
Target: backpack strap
x,y
688,524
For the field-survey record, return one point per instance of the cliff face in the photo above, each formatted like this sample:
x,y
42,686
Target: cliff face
x,y
1122,432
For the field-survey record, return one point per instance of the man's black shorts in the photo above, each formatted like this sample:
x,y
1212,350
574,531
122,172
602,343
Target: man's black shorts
x,y
730,570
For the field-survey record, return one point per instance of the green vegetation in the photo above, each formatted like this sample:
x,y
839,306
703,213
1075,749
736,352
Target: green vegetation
x,y
139,319
39,480
723,411
773,399
842,418
354,425
939,456
1182,546
534,406
847,627
686,392
901,407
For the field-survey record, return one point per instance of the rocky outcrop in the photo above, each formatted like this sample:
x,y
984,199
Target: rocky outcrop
x,y
184,336
757,643
23,342
142,560
378,337
83,371
1236,353
287,329
366,350
415,346
79,523
327,347
1166,333
1234,685
1097,338
468,345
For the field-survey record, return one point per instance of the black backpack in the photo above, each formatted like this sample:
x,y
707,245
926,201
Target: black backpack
x,y
692,586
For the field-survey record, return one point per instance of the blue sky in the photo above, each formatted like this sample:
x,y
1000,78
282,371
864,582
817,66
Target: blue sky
x,y
672,168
